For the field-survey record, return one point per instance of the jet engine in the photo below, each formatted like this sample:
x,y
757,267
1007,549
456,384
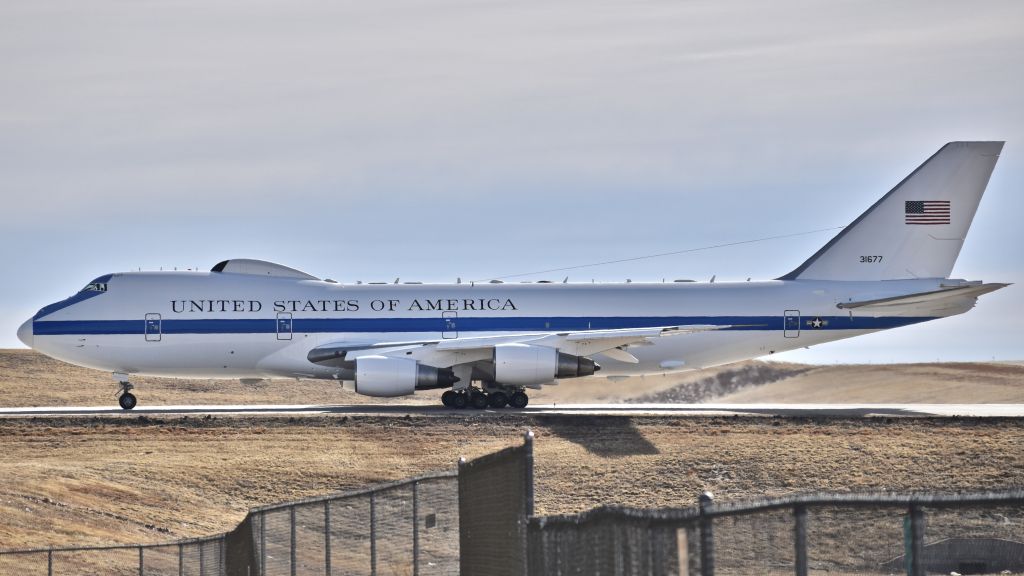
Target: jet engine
x,y
526,365
385,376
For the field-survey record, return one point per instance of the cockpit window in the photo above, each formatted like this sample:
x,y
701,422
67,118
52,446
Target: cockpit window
x,y
97,285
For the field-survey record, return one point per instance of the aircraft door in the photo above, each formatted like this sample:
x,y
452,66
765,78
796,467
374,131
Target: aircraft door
x,y
449,328
153,327
284,325
791,324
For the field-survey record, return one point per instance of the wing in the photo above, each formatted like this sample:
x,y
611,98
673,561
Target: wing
x,y
446,353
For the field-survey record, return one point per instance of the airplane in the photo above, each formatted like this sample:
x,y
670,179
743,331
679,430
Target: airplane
x,y
487,343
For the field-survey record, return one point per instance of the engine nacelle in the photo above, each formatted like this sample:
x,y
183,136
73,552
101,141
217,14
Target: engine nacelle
x,y
383,376
526,365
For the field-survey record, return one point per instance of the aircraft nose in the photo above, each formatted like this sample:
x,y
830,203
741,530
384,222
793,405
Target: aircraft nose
x,y
25,333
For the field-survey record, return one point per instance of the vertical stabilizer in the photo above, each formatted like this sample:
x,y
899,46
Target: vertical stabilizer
x,y
918,228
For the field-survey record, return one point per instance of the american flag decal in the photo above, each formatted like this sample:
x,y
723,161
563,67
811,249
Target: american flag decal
x,y
927,211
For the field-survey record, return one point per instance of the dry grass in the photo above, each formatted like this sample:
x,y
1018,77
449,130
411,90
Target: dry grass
x,y
134,479
137,479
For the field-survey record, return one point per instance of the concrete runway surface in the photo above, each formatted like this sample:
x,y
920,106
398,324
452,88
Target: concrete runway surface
x,y
790,410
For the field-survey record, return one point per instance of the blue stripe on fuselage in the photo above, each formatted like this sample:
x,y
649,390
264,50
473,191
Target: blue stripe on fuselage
x,y
502,324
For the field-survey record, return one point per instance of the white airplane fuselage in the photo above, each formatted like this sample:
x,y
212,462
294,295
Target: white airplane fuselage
x,y
219,325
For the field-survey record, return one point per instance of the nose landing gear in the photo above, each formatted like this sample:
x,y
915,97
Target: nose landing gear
x,y
126,399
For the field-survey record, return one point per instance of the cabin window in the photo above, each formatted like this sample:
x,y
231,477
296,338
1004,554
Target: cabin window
x,y
95,287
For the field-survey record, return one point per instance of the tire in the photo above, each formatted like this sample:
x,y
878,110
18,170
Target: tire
x,y
459,400
519,400
498,400
478,400
448,398
127,401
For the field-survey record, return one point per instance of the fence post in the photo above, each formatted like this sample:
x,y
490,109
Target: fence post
x,y
415,529
528,446
263,543
463,546
327,537
916,540
291,518
800,538
202,558
49,562
181,559
527,494
373,533
141,563
707,538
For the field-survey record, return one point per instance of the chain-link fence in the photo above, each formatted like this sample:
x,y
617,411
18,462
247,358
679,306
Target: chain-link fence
x,y
203,557
406,528
478,521
870,534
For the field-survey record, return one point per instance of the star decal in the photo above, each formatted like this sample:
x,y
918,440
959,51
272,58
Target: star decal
x,y
817,323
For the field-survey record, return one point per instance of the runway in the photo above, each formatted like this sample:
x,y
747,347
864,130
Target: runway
x,y
681,410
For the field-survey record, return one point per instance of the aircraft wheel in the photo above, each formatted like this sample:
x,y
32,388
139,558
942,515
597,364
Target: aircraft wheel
x,y
519,400
498,400
459,400
448,398
478,400
127,401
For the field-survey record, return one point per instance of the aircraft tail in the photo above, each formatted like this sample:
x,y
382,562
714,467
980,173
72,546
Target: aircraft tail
x,y
918,228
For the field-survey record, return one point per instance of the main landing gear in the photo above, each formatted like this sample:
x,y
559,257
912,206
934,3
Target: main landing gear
x,y
476,398
126,399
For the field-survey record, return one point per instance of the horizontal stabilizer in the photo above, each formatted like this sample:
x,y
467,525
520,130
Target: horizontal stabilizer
x,y
947,300
925,297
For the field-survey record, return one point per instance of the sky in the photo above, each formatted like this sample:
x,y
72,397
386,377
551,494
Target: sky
x,y
430,140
